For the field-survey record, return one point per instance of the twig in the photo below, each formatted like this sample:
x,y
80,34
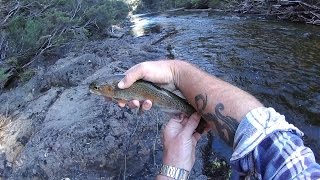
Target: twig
x,y
125,167
45,7
310,6
46,45
135,128
87,23
11,12
3,46
155,140
165,36
77,9
7,110
315,14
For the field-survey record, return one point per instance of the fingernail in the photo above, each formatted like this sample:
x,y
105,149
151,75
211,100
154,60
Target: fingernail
x,y
121,84
147,105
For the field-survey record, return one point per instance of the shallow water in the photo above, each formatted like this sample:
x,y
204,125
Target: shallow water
x,y
276,61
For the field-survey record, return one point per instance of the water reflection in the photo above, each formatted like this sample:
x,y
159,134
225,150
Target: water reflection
x,y
138,25
142,25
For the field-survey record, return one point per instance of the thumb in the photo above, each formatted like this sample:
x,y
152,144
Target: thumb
x,y
132,75
175,122
191,125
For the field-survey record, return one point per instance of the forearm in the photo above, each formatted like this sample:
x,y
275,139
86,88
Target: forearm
x,y
221,104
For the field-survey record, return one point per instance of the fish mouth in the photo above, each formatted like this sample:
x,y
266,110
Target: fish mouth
x,y
94,92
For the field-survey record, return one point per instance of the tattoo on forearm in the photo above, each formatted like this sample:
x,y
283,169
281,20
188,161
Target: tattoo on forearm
x,y
226,125
201,102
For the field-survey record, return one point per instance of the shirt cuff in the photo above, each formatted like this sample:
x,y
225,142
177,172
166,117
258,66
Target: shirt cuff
x,y
255,127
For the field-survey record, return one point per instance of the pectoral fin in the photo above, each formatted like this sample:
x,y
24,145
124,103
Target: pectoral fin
x,y
120,100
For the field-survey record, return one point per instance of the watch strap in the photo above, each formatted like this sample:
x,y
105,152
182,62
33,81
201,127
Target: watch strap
x,y
174,172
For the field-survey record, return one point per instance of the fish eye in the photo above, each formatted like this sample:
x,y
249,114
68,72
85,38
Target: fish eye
x,y
94,86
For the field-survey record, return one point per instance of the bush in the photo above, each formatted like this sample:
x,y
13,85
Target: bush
x,y
37,26
153,5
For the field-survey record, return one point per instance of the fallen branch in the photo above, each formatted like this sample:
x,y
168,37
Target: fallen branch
x,y
45,46
296,11
315,14
310,6
170,33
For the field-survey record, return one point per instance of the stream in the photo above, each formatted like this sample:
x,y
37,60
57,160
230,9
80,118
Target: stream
x,y
276,61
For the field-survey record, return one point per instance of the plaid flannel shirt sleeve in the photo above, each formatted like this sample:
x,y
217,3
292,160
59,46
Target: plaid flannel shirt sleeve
x,y
266,146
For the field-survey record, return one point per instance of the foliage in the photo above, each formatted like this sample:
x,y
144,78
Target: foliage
x,y
27,75
3,74
154,5
33,27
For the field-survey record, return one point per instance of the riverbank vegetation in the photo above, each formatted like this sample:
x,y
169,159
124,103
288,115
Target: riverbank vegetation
x,y
34,28
307,11
29,29
143,6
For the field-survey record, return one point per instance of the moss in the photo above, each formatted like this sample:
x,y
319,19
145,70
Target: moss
x,y
219,169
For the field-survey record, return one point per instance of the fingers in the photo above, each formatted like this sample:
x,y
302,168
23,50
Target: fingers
x,y
146,105
175,120
132,75
132,104
197,136
122,104
184,119
191,125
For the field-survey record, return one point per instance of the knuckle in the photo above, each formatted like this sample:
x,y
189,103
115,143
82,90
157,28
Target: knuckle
x,y
181,138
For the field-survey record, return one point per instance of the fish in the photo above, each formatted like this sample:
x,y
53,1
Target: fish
x,y
161,98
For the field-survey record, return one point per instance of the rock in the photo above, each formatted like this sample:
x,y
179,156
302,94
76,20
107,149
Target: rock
x,y
115,32
115,35
69,71
58,129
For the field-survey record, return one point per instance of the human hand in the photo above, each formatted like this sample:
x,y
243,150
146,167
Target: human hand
x,y
159,72
180,139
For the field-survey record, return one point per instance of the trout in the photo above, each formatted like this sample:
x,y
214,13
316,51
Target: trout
x,y
142,90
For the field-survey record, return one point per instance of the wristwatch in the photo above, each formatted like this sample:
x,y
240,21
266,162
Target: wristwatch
x,y
174,172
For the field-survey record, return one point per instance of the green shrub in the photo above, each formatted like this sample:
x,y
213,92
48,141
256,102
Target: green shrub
x,y
32,32
3,74
27,75
59,21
